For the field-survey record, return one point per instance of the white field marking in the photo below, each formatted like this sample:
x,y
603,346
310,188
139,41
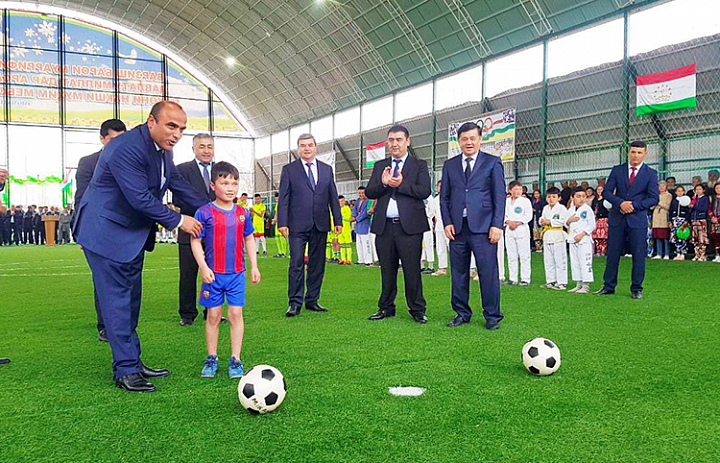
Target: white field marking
x,y
61,267
407,391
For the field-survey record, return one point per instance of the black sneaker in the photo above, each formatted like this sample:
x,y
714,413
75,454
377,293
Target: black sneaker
x,y
186,322
102,336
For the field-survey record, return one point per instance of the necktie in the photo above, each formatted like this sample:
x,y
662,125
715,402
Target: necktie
x,y
310,175
632,175
396,171
206,176
468,169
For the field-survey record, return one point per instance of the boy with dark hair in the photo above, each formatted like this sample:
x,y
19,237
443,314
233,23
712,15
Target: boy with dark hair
x,y
226,236
259,211
581,224
518,213
553,220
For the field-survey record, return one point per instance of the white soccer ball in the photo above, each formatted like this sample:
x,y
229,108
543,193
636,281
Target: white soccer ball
x,y
607,204
541,357
262,389
684,201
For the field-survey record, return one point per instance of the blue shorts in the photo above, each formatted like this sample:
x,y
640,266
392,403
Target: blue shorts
x,y
230,285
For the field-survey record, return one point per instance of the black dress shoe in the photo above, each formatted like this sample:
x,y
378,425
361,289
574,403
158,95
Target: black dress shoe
x,y
380,314
315,307
3,361
292,311
419,317
134,382
604,291
148,372
637,295
102,336
457,321
492,325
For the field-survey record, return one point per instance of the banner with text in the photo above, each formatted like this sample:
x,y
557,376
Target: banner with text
x,y
498,134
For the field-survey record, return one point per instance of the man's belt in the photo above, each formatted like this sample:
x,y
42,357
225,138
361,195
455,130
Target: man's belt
x,y
394,219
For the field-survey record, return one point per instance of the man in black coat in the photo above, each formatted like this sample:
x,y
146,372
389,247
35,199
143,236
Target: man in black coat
x,y
18,222
307,195
197,173
29,226
399,184
109,129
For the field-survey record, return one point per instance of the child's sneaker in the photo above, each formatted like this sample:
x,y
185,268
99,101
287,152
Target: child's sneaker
x,y
210,368
235,368
548,285
584,289
575,289
559,287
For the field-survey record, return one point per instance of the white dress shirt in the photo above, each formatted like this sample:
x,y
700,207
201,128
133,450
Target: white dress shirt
x,y
637,169
472,158
392,209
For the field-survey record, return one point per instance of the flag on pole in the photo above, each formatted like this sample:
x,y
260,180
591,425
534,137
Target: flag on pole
x,y
374,153
666,91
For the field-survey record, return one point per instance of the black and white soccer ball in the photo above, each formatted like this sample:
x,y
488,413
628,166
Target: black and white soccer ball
x,y
541,357
262,389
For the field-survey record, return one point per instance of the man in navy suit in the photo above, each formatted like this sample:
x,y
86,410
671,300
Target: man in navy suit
x,y
116,223
307,195
632,189
4,175
472,204
109,129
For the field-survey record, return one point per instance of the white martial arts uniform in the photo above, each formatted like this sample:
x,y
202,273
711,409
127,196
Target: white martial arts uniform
x,y
441,241
554,242
428,249
517,242
581,253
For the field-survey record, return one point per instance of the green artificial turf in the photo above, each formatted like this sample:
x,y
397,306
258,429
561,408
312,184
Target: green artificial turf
x,y
639,380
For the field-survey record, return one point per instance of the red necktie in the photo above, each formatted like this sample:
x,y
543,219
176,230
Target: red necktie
x,y
632,175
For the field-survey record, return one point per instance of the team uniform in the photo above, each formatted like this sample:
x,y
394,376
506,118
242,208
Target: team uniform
x,y
345,238
554,254
280,241
581,253
223,239
258,222
517,242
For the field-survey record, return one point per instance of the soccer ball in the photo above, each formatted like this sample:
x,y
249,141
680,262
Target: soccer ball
x,y
541,357
262,389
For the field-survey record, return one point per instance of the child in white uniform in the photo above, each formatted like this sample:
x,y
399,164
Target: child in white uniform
x,y
553,220
518,213
581,223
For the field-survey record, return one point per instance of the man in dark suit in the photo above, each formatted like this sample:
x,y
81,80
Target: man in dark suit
x,y
116,223
472,203
632,189
197,173
399,183
18,222
3,178
109,129
29,226
307,195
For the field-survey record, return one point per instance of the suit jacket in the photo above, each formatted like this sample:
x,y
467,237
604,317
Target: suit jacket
x,y
119,212
483,195
299,207
191,172
362,219
644,194
409,196
85,170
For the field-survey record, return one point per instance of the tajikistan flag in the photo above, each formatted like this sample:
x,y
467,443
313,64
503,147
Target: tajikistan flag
x,y
374,153
666,91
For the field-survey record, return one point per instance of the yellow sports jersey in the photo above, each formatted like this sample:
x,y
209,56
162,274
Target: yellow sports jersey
x,y
347,229
259,221
276,225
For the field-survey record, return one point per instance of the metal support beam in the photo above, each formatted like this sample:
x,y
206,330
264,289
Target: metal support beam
x,y
402,21
267,176
625,91
542,175
346,158
537,17
473,34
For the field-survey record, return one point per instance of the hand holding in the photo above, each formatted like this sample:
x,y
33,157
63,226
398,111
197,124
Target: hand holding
x,y
626,207
396,181
191,226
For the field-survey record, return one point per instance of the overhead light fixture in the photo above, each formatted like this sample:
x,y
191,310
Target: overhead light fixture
x,y
230,61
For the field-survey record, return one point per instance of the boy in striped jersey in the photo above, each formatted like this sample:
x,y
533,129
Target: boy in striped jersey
x,y
226,237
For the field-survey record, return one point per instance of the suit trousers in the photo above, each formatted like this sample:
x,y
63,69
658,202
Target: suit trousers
x,y
465,244
188,283
119,289
393,247
636,241
315,241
